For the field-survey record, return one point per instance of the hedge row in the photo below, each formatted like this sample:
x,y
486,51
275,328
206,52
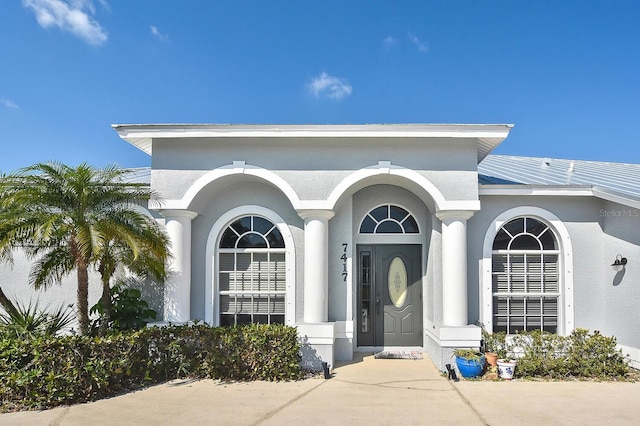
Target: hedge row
x,y
581,355
47,372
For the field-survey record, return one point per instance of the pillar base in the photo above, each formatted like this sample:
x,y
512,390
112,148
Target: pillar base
x,y
441,344
317,344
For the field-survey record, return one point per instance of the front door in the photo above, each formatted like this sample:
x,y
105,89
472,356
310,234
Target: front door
x,y
389,295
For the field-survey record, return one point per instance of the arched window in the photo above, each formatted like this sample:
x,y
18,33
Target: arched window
x,y
525,278
389,219
252,272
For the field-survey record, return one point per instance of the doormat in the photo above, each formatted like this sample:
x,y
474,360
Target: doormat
x,y
398,355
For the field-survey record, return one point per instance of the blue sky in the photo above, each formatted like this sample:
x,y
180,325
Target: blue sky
x,y
566,73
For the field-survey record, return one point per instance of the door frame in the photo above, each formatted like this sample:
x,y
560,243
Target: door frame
x,y
371,274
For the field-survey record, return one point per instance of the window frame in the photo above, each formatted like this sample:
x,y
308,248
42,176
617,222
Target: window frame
x,y
525,296
565,315
238,253
212,288
389,218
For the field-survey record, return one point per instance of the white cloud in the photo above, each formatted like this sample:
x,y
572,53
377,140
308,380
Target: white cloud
x,y
157,33
329,86
422,46
8,103
388,42
74,16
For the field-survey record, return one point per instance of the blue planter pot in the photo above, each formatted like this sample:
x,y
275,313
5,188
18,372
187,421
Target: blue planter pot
x,y
470,368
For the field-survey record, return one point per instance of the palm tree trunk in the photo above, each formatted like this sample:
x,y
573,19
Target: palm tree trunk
x,y
83,297
7,304
106,303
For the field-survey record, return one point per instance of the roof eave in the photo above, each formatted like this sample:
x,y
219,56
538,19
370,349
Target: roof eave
x,y
141,135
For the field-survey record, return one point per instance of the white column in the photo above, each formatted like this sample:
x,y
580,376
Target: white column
x,y
177,289
454,266
316,264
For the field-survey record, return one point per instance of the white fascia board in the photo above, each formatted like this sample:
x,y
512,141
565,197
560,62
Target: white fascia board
x,y
560,191
538,190
141,135
616,197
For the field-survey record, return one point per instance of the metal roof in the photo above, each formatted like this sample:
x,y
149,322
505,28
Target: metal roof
x,y
619,178
139,175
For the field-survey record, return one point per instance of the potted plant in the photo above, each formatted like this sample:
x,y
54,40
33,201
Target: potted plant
x,y
470,362
497,344
494,346
507,368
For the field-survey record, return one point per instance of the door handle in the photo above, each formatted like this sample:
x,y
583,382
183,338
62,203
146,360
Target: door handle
x,y
377,306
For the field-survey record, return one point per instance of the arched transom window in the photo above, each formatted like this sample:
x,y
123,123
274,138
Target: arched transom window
x,y
525,281
251,263
389,219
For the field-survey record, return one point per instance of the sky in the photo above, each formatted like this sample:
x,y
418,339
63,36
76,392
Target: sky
x,y
565,73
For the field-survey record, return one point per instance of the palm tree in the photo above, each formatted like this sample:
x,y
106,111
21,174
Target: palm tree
x,y
65,213
133,242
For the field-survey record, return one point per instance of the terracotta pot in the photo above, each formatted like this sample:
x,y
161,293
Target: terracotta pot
x,y
491,358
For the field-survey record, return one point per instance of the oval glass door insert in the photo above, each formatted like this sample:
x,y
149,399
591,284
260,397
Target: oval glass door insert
x,y
397,282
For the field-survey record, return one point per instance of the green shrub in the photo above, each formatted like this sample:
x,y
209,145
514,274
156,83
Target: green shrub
x,y
581,355
46,372
540,354
30,321
128,310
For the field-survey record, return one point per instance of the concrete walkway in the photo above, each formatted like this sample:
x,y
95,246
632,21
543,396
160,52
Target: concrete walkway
x,y
363,392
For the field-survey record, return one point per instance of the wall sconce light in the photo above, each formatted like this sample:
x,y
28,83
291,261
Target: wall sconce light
x,y
618,264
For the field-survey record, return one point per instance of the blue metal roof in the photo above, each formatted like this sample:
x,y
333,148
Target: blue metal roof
x,y
619,178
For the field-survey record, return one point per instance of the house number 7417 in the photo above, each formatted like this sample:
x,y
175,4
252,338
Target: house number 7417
x,y
344,262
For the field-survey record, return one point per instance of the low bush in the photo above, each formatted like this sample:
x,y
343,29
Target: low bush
x,y
45,372
128,311
29,321
581,355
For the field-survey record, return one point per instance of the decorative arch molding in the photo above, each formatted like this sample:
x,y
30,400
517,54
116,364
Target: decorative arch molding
x,y
566,320
211,283
237,168
353,180
381,169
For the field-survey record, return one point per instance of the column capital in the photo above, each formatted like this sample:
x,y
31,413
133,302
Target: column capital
x,y
454,214
177,213
315,213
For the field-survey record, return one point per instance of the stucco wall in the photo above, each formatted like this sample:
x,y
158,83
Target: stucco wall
x,y
591,271
621,290
314,167
15,284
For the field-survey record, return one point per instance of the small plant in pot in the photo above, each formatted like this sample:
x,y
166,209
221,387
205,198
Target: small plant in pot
x,y
470,362
495,346
506,368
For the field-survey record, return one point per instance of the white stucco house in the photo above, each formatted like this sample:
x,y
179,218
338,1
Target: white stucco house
x,y
391,236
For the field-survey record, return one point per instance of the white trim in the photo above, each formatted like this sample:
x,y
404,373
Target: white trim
x,y
386,168
517,189
236,168
382,168
633,353
560,191
616,197
211,306
566,313
142,135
